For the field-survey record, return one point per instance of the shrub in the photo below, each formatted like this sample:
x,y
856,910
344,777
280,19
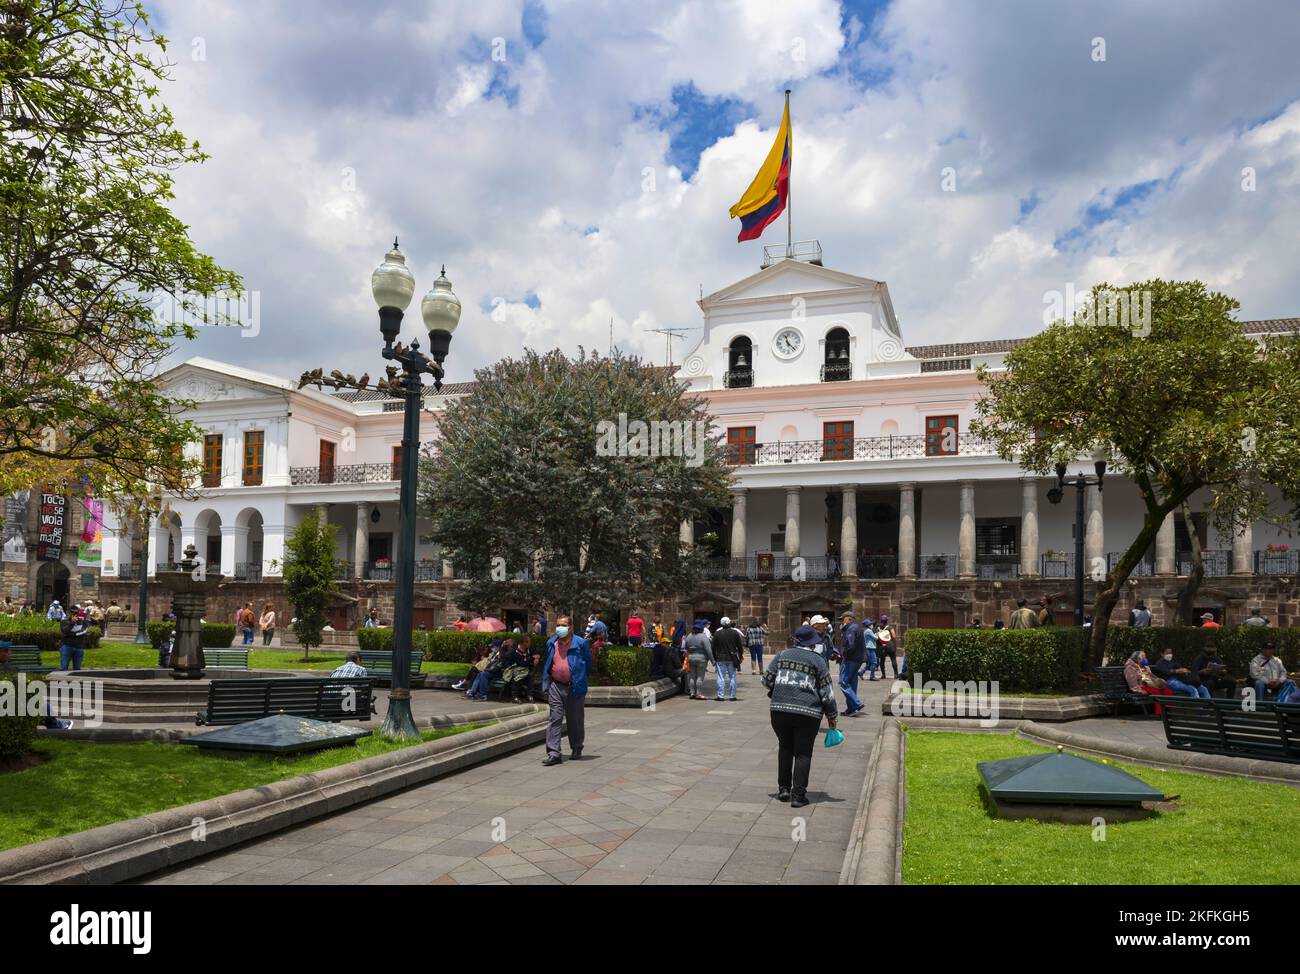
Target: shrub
x,y
626,666
439,645
375,640
217,635
158,633
1044,660
16,732
44,635
1237,645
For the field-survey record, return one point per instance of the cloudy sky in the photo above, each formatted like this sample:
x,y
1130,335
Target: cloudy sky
x,y
573,162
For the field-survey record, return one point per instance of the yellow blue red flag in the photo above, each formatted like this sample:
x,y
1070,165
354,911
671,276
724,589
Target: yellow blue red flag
x,y
769,193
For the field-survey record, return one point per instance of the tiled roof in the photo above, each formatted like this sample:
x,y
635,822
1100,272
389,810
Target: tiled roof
x,y
1266,326
448,389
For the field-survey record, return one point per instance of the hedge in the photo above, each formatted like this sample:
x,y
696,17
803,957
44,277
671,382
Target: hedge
x,y
439,645
626,666
44,635
1046,660
213,635
18,731
1238,645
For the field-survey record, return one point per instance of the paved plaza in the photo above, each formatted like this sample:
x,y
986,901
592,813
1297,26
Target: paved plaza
x,y
683,794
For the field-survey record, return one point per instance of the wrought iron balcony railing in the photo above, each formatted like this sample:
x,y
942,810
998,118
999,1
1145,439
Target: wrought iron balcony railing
x,y
738,378
248,571
1277,562
1142,569
838,371
1217,562
936,566
862,448
353,473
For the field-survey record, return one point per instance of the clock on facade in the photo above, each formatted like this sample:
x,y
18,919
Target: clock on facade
x,y
788,342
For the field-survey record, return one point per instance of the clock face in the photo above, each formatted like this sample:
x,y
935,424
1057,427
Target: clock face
x,y
788,342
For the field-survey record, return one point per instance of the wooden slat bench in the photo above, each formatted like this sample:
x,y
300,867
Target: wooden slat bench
x,y
230,659
1269,730
1115,689
330,698
379,666
27,659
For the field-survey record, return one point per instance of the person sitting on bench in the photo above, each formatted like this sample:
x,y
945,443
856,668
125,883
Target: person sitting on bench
x,y
1209,666
351,666
516,670
1179,679
1140,679
1270,676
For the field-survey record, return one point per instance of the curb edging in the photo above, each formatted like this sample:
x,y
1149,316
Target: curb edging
x,y
873,857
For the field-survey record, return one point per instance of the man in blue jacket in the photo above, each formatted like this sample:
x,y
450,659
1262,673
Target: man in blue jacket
x,y
853,653
564,683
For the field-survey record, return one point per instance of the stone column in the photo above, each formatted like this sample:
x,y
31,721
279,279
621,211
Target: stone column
x,y
1165,547
273,536
361,552
234,548
849,531
1243,550
966,531
156,549
792,515
739,541
687,534
448,569
907,530
1029,527
112,546
1094,531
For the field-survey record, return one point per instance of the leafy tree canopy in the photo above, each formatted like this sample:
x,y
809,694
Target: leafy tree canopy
x,y
309,576
542,470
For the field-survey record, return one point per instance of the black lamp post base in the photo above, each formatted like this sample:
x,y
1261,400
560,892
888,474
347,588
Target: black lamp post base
x,y
398,722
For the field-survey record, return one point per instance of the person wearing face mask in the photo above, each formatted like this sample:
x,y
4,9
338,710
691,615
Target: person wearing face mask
x,y
1179,679
564,684
1140,679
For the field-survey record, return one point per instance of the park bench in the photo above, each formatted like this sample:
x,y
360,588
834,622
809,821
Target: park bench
x,y
499,685
1267,730
26,659
1115,690
329,698
379,666
230,659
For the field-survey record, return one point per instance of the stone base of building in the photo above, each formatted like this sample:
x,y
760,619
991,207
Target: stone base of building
x,y
782,605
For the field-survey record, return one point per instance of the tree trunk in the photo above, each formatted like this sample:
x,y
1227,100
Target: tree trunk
x,y
1187,595
1108,592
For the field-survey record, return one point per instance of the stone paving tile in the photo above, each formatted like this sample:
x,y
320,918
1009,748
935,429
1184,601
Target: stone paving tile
x,y
338,874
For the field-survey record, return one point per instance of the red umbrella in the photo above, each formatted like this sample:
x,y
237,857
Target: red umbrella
x,y
486,624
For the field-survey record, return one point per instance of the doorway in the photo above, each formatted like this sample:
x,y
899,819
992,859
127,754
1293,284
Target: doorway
x,y
52,583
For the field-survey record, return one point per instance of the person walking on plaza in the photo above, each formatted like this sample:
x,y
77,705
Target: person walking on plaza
x,y
887,640
799,683
372,620
635,629
871,644
728,653
564,683
853,652
267,624
756,637
1045,612
1140,616
55,612
1269,675
1024,617
246,622
699,653
821,625
1255,618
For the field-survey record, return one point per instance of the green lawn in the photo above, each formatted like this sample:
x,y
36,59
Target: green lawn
x,y
85,785
1227,830
130,656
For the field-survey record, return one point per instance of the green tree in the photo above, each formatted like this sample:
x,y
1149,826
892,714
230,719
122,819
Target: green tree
x,y
97,277
309,577
1180,400
524,482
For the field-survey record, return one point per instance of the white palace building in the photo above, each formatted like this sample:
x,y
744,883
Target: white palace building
x,y
850,452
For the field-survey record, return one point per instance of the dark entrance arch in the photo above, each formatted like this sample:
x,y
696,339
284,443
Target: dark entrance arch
x,y
52,583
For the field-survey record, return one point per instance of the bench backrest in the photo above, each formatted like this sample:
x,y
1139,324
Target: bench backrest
x,y
334,698
23,656
1113,684
378,662
1266,730
232,658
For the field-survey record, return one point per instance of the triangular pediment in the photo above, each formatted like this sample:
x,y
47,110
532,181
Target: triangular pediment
x,y
206,381
786,278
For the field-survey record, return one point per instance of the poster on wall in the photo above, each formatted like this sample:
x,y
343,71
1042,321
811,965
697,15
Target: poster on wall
x,y
15,535
91,548
54,511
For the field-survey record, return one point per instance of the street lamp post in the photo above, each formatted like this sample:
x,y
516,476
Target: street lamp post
x,y
393,287
141,629
1081,483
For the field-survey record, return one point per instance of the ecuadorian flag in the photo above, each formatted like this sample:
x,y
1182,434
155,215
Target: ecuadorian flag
x,y
767,195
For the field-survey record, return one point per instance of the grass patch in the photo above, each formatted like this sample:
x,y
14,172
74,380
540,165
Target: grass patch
x,y
1225,830
83,785
111,655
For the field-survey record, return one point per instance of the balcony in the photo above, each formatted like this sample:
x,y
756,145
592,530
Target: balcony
x,y
248,571
1284,561
1056,566
379,571
862,448
936,566
808,251
999,569
772,568
877,566
839,371
1142,569
343,571
738,378
353,473
1216,561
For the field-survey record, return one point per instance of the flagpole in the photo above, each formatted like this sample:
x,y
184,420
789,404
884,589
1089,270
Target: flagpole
x,y
789,136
